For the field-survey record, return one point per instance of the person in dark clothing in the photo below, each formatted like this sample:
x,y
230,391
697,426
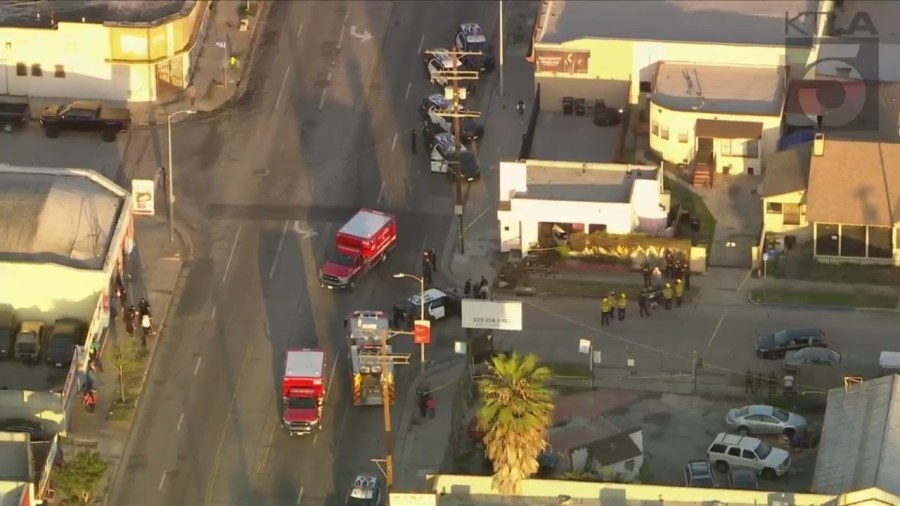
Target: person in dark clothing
x,y
398,317
426,268
412,141
130,316
467,288
643,305
670,264
120,292
144,307
687,278
759,384
432,257
646,272
482,288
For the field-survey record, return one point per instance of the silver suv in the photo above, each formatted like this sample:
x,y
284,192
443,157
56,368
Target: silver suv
x,y
730,450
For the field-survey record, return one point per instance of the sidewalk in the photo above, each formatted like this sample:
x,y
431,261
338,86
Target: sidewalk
x,y
154,267
212,68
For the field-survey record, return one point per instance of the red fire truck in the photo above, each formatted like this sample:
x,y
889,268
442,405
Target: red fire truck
x,y
303,390
362,243
366,331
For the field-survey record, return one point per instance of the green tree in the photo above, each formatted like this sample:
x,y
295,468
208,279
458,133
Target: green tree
x,y
515,414
128,358
79,477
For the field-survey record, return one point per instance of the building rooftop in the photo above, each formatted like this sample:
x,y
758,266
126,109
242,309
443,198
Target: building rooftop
x,y
754,91
47,13
787,171
18,376
574,139
850,109
15,457
882,14
869,194
61,216
860,445
588,183
705,21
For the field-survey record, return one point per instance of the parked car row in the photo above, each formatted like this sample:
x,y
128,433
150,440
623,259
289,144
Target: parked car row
x,y
28,342
80,115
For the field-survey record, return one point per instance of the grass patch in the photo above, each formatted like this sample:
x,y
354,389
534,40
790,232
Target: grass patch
x,y
824,298
692,203
595,289
811,270
570,369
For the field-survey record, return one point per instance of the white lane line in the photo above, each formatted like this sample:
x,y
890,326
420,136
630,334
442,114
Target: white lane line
x,y
231,255
328,77
381,192
715,332
197,367
331,379
315,439
421,43
213,315
284,230
300,30
162,481
180,421
476,219
408,87
287,72
322,100
394,144
300,496
343,31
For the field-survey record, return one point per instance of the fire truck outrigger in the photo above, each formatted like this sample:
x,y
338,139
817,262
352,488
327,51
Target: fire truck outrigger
x,y
371,366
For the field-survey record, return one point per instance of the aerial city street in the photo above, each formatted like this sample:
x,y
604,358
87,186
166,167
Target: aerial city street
x,y
324,253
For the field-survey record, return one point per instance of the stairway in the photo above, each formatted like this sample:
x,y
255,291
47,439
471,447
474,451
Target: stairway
x,y
702,177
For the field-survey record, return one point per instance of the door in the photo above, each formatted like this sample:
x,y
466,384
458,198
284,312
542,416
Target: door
x,y
4,77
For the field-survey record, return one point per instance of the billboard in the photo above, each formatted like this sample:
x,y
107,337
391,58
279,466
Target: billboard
x,y
564,61
495,315
143,196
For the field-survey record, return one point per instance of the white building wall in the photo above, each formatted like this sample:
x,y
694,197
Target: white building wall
x,y
679,123
83,51
647,53
619,218
47,292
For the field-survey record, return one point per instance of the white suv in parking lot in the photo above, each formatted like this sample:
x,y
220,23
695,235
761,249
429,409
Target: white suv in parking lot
x,y
730,450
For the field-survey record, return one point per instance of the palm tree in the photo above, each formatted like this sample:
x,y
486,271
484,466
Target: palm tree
x,y
515,414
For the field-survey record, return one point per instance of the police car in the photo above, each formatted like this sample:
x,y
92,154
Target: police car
x,y
470,129
470,37
444,158
439,304
366,491
439,60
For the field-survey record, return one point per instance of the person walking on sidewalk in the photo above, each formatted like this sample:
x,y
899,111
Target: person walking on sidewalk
x,y
679,292
623,304
667,296
432,258
130,318
90,400
483,288
161,176
605,311
146,328
121,295
520,107
426,268
642,305
646,272
144,307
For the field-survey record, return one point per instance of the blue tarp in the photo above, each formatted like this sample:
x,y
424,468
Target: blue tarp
x,y
798,137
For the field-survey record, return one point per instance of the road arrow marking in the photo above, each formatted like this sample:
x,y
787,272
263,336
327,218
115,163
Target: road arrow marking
x,y
363,37
304,232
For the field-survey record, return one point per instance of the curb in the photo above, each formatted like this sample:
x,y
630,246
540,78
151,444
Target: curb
x,y
129,440
811,307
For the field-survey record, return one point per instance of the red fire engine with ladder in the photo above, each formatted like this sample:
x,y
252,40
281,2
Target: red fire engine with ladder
x,y
371,367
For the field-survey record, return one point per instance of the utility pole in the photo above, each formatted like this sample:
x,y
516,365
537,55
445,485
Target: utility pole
x,y
387,379
455,75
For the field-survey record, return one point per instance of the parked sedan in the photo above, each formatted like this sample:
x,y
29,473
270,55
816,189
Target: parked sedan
x,y
775,345
762,419
743,479
811,356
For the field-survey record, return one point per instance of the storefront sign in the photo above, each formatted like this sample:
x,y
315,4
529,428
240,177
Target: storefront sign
x,y
562,61
497,315
143,197
422,332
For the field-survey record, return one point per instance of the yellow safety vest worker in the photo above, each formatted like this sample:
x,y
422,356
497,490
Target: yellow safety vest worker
x,y
623,303
679,289
605,306
667,293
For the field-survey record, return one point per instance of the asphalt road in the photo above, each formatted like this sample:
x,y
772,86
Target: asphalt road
x,y
722,334
322,131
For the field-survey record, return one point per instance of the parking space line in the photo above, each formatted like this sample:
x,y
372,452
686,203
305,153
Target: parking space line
x,y
300,496
284,230
287,72
421,43
213,314
197,367
322,100
408,88
715,332
394,144
180,421
231,255
162,480
300,30
381,193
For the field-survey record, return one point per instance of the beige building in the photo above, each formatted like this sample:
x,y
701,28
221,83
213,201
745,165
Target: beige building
x,y
728,118
123,51
783,190
609,50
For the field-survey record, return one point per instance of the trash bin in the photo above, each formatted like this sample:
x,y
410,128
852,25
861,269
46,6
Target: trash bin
x,y
579,107
790,241
567,106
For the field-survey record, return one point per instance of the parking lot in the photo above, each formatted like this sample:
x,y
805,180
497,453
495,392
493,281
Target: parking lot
x,y
680,428
80,150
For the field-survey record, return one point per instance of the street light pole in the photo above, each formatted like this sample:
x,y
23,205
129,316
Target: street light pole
x,y
170,179
421,281
502,41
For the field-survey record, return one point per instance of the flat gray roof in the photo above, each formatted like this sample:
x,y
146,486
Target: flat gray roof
x,y
14,457
574,139
756,91
576,184
47,13
60,216
708,21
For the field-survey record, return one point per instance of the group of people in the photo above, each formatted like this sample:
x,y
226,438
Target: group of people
x,y
133,316
675,268
477,291
677,276
612,304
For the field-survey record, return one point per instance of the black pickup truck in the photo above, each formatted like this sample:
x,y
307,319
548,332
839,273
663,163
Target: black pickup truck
x,y
14,113
85,116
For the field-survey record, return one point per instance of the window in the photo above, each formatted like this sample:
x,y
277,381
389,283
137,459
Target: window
x,y
763,451
21,69
751,149
749,455
665,133
36,70
59,71
629,465
717,448
773,207
744,148
725,147
655,129
682,135
734,451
